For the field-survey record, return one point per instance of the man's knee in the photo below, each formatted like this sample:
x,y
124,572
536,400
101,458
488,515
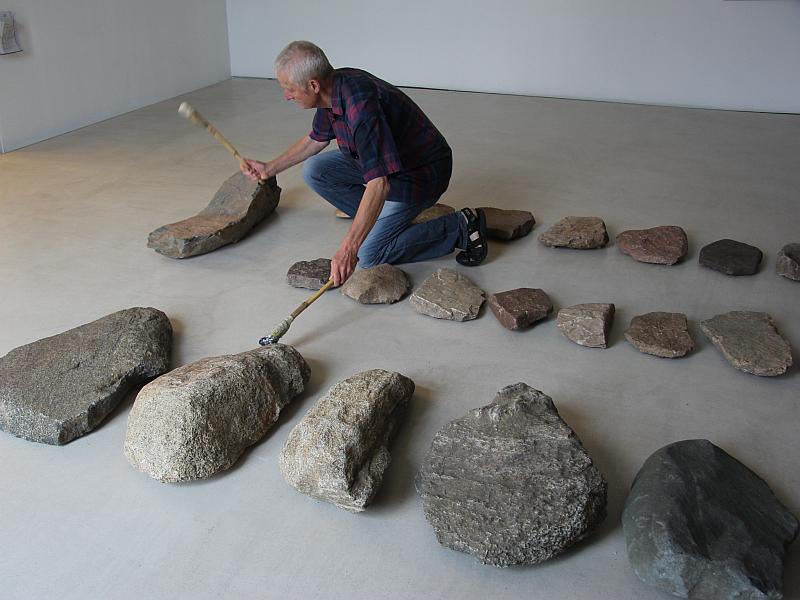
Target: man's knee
x,y
370,256
312,171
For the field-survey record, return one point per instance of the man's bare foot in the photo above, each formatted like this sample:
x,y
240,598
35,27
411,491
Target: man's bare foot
x,y
342,215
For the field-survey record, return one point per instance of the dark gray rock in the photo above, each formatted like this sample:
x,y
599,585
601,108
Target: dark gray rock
x,y
787,263
448,294
665,245
238,206
750,342
433,212
510,483
699,524
586,324
520,308
61,387
582,233
309,274
660,334
339,451
198,419
504,224
383,284
731,257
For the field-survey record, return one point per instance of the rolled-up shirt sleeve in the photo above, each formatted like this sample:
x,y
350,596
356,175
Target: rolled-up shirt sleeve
x,y
321,128
375,146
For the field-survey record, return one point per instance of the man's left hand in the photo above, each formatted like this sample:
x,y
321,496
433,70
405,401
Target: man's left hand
x,y
343,263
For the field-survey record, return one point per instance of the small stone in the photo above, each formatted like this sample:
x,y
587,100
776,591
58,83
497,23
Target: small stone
x,y
582,233
731,257
198,419
665,245
700,524
447,294
787,263
660,334
238,206
383,284
503,224
510,483
750,342
339,451
433,212
587,324
309,274
520,308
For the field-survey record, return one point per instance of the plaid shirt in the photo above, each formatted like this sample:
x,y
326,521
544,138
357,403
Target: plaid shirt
x,y
386,134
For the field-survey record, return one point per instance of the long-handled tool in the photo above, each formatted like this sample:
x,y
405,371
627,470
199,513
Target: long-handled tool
x,y
190,112
283,326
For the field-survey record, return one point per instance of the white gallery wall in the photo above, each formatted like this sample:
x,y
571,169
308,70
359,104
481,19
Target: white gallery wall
x,y
703,53
88,60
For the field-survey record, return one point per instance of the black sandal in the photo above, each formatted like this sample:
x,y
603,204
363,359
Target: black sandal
x,y
477,248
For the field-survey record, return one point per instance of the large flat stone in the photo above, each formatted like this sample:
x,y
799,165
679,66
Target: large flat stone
x,y
582,233
587,324
383,284
198,419
339,451
661,334
665,245
787,263
238,206
433,212
61,387
731,257
504,224
447,294
700,524
309,274
520,308
510,483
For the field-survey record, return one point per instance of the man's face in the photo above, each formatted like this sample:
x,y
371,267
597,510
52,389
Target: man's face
x,y
304,97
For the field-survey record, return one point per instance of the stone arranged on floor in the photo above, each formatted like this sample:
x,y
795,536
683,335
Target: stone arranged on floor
x,y
447,294
339,451
433,212
731,257
661,334
503,224
198,419
61,387
238,206
587,324
511,483
665,245
700,524
309,274
787,263
383,284
581,233
750,342
520,308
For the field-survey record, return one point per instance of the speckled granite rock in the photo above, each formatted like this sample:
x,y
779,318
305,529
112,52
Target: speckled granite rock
x,y
787,263
238,206
661,334
503,224
731,257
586,324
750,342
665,245
448,294
582,233
309,274
198,419
61,387
520,308
511,483
433,212
383,284
339,451
699,524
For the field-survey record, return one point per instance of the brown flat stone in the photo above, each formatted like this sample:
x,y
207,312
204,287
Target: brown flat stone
x,y
660,334
383,284
309,274
581,233
433,212
665,245
503,224
520,308
586,324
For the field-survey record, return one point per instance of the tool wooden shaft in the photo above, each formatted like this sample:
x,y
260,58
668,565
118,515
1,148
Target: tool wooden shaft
x,y
190,112
283,326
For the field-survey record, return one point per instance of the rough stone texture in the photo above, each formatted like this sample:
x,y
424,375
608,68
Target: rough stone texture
x,y
61,387
750,342
510,483
582,233
383,284
238,206
309,274
787,262
339,451
433,212
731,257
665,245
520,308
587,324
448,294
660,334
700,524
503,224
198,419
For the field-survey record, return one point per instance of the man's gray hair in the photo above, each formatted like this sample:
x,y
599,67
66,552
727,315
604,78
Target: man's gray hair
x,y
301,61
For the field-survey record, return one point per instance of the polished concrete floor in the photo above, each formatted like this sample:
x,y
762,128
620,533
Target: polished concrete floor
x,y
78,522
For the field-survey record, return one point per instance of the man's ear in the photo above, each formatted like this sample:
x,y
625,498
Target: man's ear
x,y
314,85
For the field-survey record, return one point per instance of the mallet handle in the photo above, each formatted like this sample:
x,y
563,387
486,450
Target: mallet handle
x,y
188,111
310,300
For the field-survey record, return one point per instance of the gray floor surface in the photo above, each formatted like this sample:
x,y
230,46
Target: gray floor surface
x,y
78,522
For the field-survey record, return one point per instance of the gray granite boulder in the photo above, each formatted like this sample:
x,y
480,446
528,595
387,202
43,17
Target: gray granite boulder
x,y
309,274
700,524
61,387
448,294
661,334
665,245
520,308
582,233
433,212
198,419
587,324
787,263
511,483
750,342
238,206
383,284
339,451
731,257
504,224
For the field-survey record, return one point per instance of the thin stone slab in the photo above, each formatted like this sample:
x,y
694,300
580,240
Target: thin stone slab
x,y
433,212
197,420
510,483
787,263
520,308
503,224
750,342
665,245
731,257
587,324
238,206
61,387
309,274
581,233
383,284
661,334
700,524
447,294
339,451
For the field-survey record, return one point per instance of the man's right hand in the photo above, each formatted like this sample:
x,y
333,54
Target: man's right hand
x,y
255,169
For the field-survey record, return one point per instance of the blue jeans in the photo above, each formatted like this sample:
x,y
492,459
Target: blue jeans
x,y
393,239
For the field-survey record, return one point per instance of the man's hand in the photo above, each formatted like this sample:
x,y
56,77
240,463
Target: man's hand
x,y
343,263
255,169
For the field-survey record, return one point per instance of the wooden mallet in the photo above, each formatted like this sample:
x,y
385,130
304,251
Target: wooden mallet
x,y
283,326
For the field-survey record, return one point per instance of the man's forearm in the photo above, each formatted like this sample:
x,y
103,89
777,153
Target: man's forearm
x,y
297,153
